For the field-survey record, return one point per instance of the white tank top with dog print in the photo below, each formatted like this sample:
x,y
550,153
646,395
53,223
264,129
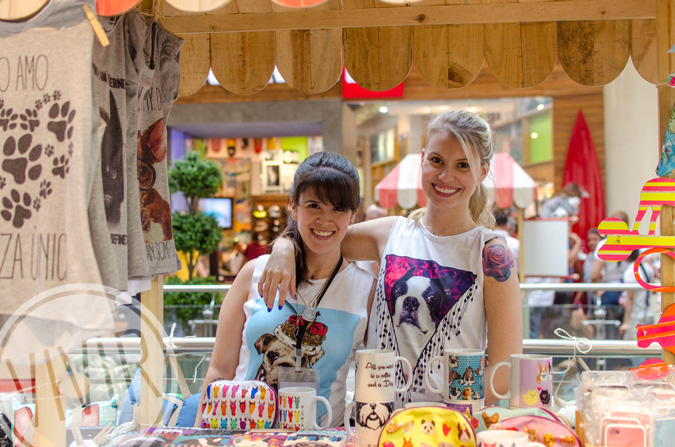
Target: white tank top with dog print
x,y
429,297
329,344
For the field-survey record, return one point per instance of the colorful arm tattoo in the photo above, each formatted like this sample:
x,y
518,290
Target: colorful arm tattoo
x,y
497,262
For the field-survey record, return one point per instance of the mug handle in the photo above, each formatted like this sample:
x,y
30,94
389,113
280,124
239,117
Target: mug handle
x,y
492,376
406,364
435,359
329,410
348,412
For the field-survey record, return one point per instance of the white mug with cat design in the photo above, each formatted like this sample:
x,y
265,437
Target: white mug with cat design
x,y
460,372
505,438
530,381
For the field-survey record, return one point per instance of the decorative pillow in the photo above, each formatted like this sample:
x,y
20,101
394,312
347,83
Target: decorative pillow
x,y
491,415
245,405
430,426
540,429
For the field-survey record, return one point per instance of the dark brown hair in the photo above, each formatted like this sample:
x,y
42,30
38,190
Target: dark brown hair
x,y
333,179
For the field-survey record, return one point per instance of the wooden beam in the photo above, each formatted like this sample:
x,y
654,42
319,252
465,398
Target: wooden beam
x,y
665,27
573,10
152,354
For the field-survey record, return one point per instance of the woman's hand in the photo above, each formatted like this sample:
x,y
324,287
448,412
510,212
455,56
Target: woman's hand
x,y
279,273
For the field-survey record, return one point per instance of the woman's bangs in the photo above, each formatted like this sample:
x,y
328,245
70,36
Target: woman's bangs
x,y
334,187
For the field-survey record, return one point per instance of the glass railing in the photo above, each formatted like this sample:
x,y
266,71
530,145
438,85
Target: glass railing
x,y
111,363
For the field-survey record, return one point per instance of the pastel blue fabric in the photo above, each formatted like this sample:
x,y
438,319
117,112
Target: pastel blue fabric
x,y
667,161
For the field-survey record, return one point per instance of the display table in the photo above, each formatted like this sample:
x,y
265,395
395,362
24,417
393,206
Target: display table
x,y
188,436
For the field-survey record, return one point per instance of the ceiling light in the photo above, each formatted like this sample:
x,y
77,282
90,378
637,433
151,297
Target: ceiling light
x,y
384,109
540,107
534,135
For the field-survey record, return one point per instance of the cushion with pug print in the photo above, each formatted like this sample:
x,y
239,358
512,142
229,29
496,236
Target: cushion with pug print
x,y
239,405
431,426
491,415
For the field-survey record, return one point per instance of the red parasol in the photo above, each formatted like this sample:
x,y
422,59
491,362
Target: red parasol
x,y
582,168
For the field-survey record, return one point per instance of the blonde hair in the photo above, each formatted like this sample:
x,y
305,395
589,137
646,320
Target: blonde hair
x,y
475,136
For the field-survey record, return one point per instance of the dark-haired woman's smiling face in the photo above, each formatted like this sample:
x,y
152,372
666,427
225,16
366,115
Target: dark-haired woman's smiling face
x,y
322,226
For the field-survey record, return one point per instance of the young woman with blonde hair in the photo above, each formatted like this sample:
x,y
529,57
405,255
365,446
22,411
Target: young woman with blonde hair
x,y
446,279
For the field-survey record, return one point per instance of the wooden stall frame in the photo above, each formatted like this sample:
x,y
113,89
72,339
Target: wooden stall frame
x,y
416,15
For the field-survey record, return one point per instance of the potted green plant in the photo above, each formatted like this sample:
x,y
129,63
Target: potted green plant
x,y
195,233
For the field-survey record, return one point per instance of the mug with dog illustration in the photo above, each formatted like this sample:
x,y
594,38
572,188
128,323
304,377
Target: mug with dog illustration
x,y
369,421
530,381
460,372
297,409
376,375
505,438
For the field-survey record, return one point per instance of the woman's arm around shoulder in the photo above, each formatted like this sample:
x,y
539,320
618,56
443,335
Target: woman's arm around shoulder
x,y
225,356
503,309
365,241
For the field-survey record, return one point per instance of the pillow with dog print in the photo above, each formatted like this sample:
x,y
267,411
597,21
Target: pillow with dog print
x,y
239,405
430,426
540,429
491,415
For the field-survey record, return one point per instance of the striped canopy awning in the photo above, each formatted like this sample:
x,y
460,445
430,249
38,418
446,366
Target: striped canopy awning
x,y
508,181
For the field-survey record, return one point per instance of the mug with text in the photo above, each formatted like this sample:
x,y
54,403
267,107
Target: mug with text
x,y
505,438
370,419
530,381
376,375
461,374
297,408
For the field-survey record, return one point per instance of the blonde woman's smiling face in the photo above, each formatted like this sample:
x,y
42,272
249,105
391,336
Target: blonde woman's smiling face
x,y
447,178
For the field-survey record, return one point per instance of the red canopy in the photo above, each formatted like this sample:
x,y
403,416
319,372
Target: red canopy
x,y
582,168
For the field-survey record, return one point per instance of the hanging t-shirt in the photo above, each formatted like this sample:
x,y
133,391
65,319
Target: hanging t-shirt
x,y
48,127
135,41
331,341
161,53
444,275
115,72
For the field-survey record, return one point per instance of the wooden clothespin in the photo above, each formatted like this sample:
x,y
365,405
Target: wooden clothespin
x,y
155,9
98,28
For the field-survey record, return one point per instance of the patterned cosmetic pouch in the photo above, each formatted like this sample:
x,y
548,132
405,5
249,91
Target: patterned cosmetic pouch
x,y
491,415
540,429
430,426
239,405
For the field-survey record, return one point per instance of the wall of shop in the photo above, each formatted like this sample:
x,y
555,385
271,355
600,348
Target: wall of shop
x,y
328,112
631,140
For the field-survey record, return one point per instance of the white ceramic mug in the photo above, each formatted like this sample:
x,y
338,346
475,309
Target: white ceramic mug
x,y
297,408
505,438
530,381
370,420
461,373
376,375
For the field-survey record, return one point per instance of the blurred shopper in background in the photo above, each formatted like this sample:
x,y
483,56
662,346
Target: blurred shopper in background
x,y
502,228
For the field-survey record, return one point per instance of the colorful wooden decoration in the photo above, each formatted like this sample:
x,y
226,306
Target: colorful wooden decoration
x,y
667,161
662,332
651,369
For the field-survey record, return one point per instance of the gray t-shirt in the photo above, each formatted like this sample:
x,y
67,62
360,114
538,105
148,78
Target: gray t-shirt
x,y
135,30
116,71
48,126
161,53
